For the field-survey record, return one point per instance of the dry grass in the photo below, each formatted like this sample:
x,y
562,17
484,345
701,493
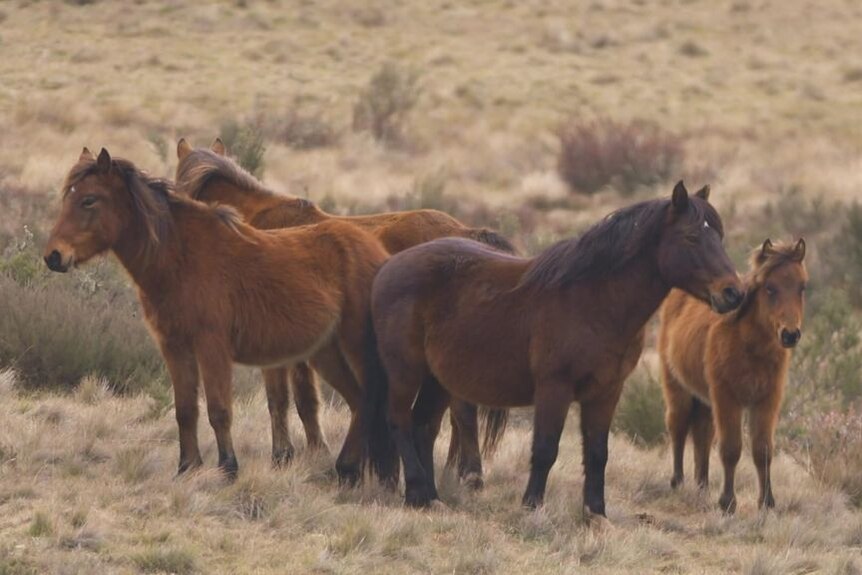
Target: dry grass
x,y
763,98
87,484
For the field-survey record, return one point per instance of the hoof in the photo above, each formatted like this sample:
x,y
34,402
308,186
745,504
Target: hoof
x,y
282,457
532,502
598,521
727,504
768,502
229,467
187,466
419,498
347,476
675,482
473,481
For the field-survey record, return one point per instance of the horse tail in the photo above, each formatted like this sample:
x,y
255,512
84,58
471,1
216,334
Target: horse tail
x,y
380,456
491,238
495,421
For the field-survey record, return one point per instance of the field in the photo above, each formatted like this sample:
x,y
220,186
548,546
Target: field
x,y
535,118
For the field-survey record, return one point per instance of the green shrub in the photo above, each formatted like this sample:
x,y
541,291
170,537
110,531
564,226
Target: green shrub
x,y
166,560
384,105
640,413
245,142
843,257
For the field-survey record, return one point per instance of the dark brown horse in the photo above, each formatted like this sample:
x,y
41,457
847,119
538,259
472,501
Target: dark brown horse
x,y
716,367
455,318
216,291
212,177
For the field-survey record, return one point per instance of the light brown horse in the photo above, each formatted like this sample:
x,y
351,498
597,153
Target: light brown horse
x,y
715,367
455,318
217,291
212,177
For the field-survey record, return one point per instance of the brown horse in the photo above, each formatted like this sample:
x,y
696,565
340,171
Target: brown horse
x,y
714,367
216,291
211,177
453,317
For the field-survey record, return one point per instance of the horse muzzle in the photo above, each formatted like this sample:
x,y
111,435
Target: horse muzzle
x,y
790,337
727,300
55,263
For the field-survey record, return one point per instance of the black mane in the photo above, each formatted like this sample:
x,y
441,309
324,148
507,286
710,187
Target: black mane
x,y
611,244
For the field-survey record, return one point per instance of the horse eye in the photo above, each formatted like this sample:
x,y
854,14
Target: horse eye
x,y
802,289
771,291
88,202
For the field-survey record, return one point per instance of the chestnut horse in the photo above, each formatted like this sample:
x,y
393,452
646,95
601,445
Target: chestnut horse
x,y
217,291
453,317
212,177
715,367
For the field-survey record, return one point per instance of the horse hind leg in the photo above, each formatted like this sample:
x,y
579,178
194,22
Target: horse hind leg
x,y
278,400
428,414
307,400
678,414
464,452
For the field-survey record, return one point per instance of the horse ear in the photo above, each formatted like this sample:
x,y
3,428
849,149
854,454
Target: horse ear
x,y
799,250
104,161
679,199
703,193
86,155
765,250
218,147
183,149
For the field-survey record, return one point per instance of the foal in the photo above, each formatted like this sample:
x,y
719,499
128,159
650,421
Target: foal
x,y
715,367
211,177
216,291
455,318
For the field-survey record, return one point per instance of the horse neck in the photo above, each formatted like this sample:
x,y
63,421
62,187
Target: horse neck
x,y
147,270
632,294
248,202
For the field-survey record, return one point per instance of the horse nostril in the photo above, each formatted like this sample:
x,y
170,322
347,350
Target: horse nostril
x,y
732,295
54,261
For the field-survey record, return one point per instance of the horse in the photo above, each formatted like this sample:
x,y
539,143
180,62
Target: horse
x,y
715,367
216,291
453,317
212,177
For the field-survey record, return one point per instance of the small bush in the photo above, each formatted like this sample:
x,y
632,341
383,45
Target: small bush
x,y
166,560
640,413
41,525
305,131
626,157
245,142
57,330
844,255
384,105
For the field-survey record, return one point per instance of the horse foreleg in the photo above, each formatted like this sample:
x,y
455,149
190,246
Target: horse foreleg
x,y
464,449
728,419
216,369
762,421
278,401
552,405
183,369
678,414
596,416
703,433
307,399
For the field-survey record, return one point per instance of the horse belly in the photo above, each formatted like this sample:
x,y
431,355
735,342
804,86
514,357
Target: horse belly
x,y
279,347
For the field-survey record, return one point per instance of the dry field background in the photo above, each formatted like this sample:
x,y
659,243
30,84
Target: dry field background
x,y
760,98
